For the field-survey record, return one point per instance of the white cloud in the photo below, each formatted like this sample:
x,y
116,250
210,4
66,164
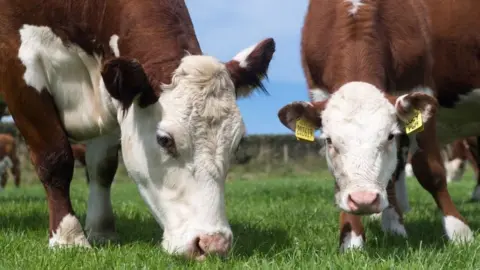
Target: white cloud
x,y
226,27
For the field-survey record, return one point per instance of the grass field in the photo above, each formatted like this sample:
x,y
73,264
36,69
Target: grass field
x,y
284,223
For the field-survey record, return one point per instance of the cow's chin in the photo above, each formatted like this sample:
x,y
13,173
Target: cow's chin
x,y
193,218
362,202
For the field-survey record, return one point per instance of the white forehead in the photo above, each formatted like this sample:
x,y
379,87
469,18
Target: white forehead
x,y
358,111
201,99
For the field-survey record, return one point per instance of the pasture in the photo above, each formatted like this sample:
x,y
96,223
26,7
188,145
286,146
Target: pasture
x,y
284,222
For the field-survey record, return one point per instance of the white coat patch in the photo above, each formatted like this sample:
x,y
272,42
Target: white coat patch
x,y
72,77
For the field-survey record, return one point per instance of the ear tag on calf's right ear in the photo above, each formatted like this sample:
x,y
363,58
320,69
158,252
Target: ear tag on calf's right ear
x,y
304,130
416,124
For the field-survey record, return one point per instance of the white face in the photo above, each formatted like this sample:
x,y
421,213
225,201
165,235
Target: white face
x,y
178,151
360,125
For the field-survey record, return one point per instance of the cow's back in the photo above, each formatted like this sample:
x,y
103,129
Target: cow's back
x,y
384,42
456,41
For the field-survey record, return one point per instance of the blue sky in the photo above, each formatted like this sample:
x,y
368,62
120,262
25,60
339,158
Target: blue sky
x,y
226,27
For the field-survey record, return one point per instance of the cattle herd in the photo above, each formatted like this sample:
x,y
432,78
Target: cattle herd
x,y
386,79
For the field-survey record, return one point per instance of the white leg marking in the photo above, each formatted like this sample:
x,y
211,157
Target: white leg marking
x,y
401,193
476,193
409,170
391,222
69,233
351,241
114,45
99,214
101,153
456,230
454,170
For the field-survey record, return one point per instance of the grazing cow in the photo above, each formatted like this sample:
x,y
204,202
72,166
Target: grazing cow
x,y
369,66
129,72
456,156
10,160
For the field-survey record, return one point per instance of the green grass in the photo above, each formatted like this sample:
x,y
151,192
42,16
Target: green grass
x,y
288,223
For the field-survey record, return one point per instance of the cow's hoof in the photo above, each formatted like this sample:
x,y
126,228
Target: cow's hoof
x,y
391,222
102,238
69,234
457,231
476,194
351,241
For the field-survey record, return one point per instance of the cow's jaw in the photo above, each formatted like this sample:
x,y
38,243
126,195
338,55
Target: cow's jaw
x,y
357,123
185,189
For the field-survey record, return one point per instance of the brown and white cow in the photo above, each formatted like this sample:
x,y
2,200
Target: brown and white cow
x,y
128,71
456,155
9,160
369,65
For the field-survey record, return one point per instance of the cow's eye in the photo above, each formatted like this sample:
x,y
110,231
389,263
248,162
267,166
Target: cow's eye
x,y
390,137
328,140
167,142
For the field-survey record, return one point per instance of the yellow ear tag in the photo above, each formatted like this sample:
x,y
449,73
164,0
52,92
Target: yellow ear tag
x,y
416,124
304,130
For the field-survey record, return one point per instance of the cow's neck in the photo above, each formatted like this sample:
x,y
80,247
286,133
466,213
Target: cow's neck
x,y
158,36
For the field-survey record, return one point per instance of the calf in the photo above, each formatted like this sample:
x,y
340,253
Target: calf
x,y
129,72
369,67
10,160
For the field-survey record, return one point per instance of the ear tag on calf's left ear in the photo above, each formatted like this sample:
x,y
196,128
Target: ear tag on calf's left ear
x,y
416,124
304,130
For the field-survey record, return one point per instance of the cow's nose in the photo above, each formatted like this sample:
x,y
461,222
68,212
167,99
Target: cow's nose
x,y
364,202
211,244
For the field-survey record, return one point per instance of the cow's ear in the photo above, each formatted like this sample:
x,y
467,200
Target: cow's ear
x,y
407,105
127,82
310,112
248,68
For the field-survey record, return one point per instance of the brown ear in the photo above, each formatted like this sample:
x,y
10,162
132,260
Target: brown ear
x,y
126,81
248,68
406,104
290,113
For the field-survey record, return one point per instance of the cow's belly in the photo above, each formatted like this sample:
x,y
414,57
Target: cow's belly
x,y
72,78
461,121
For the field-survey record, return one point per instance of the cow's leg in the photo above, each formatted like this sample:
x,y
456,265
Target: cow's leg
x,y
475,161
16,170
101,166
352,233
429,169
51,156
3,181
392,217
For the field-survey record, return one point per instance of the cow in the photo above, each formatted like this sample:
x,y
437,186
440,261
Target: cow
x,y
456,155
386,78
129,73
10,160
